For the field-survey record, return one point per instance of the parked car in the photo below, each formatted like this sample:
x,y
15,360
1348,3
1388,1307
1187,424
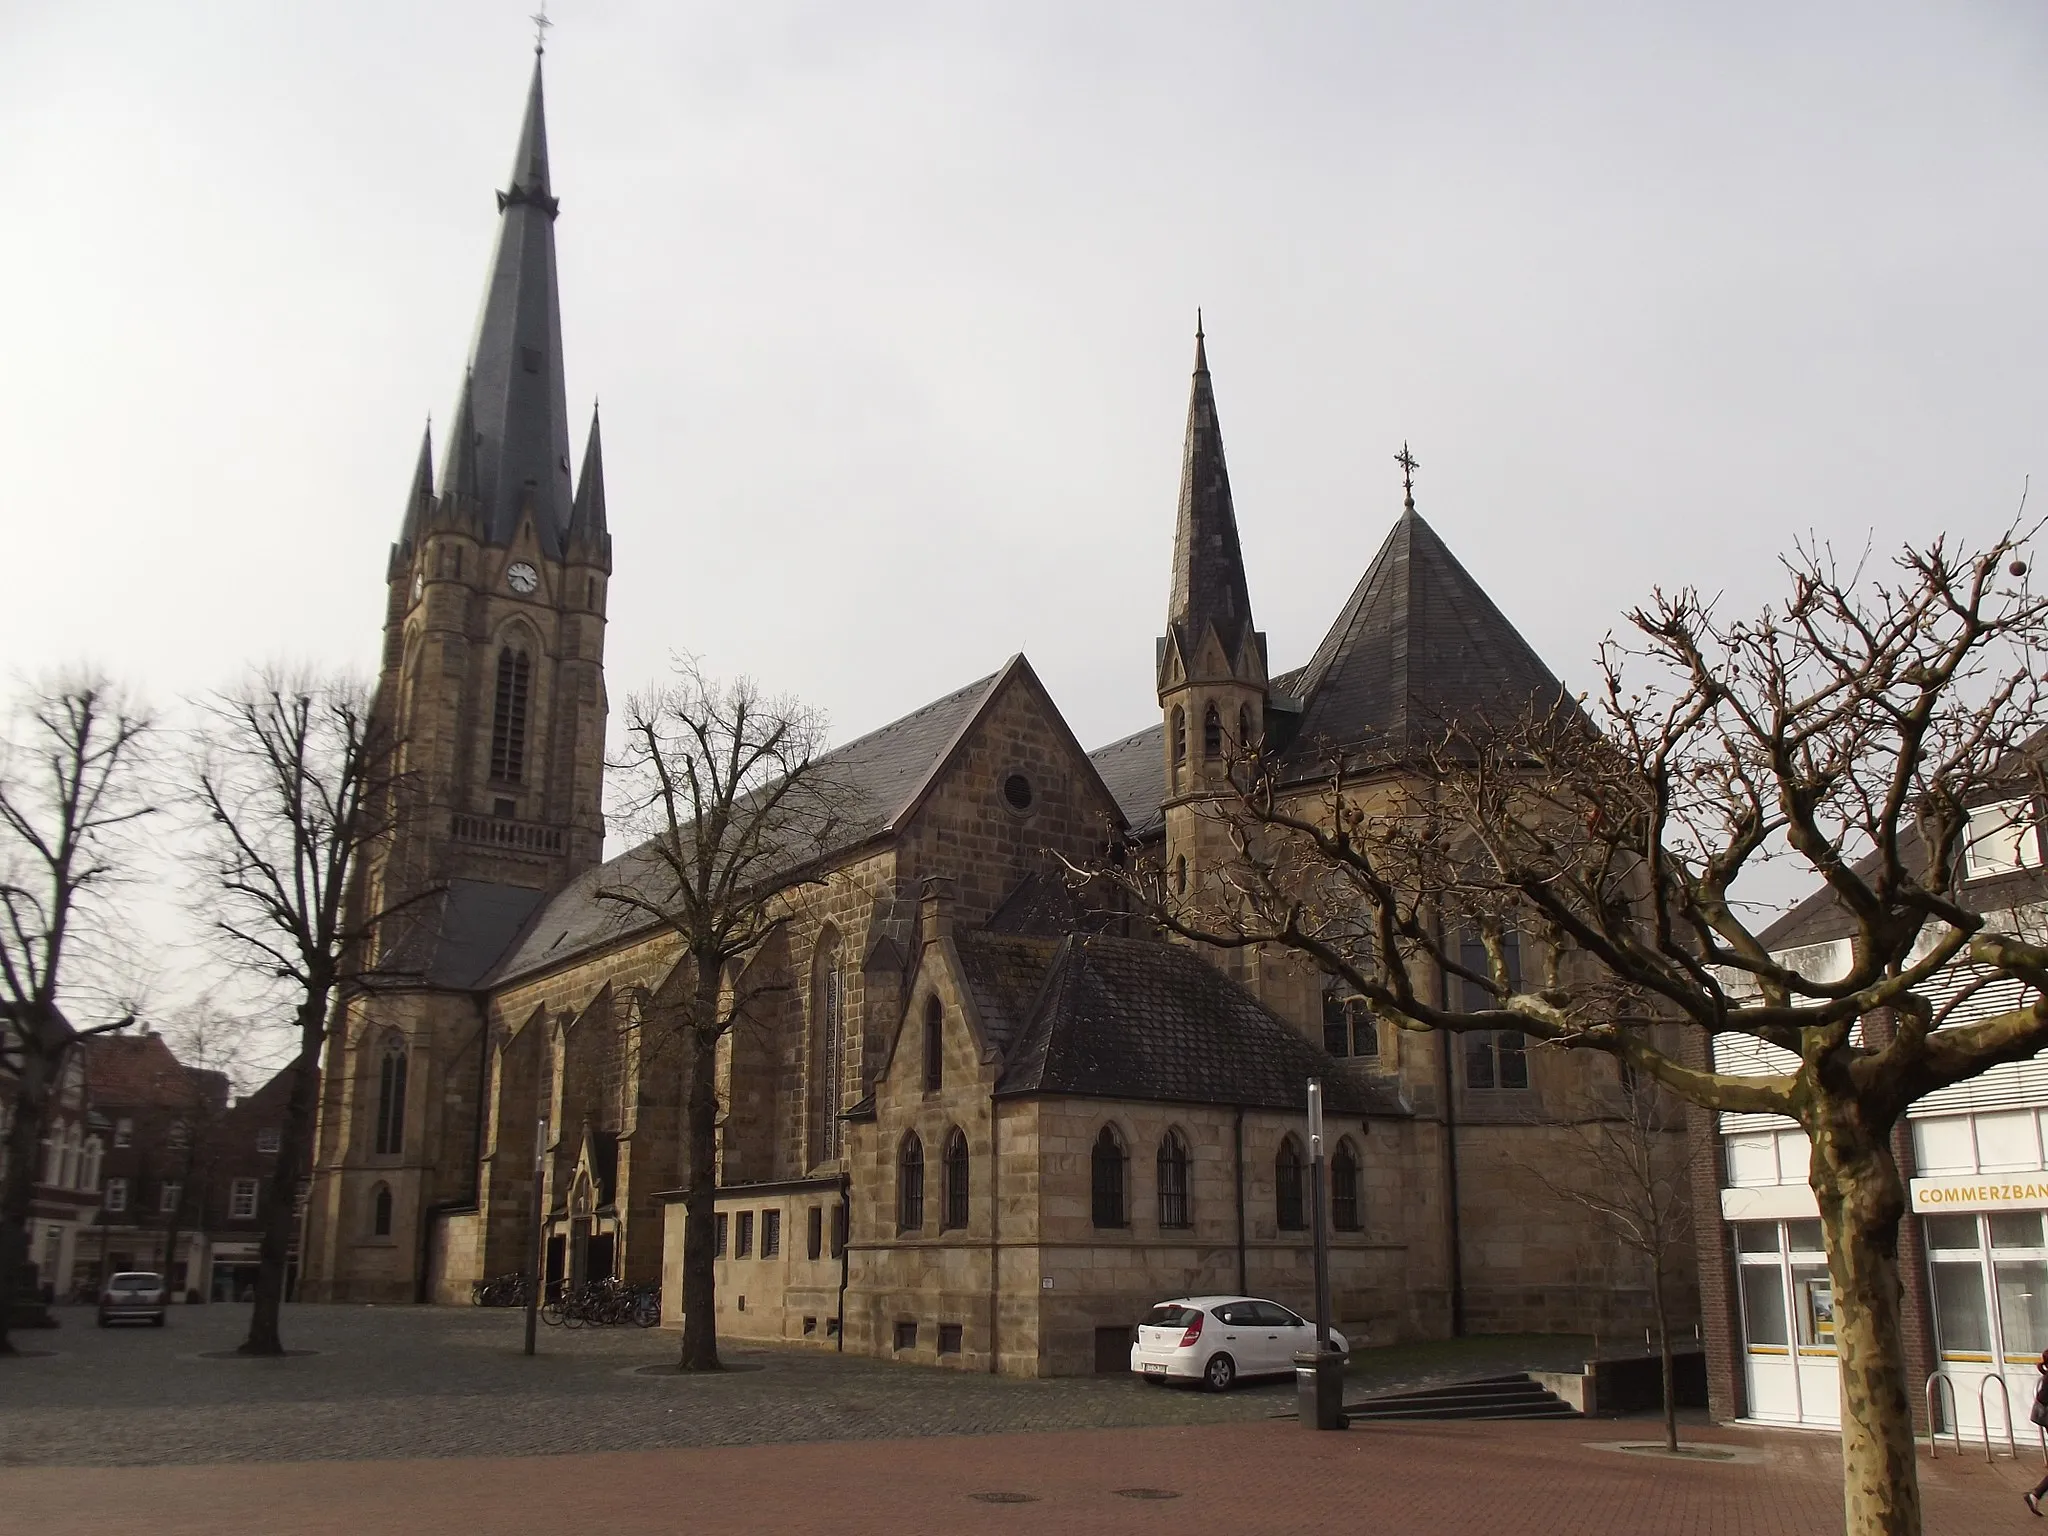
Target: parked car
x,y
135,1295
1217,1339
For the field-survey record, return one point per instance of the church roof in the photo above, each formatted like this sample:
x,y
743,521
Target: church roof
x,y
1133,770
1418,645
515,399
454,937
879,779
1139,1019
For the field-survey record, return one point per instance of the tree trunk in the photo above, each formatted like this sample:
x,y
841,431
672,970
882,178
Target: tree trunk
x,y
1663,1311
274,1256
33,1090
700,1141
1861,1203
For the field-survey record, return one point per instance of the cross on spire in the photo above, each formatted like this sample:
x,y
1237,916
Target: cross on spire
x,y
1409,464
540,28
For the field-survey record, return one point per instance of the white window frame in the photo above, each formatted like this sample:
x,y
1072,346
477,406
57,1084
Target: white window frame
x,y
167,1196
124,1132
269,1139
115,1199
242,1200
2000,839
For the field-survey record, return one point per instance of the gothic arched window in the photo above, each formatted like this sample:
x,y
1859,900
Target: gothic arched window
x,y
910,1184
934,1046
1344,1215
1106,1176
391,1099
1173,1181
956,1181
508,718
1289,1208
1244,728
828,1009
1180,735
1212,733
380,1212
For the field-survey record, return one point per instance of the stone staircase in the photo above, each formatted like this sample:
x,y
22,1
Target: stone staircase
x,y
1490,1397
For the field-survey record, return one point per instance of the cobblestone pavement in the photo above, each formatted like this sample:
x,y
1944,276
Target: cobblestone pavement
x,y
433,1382
1547,1478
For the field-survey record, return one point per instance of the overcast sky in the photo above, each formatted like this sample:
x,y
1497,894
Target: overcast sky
x,y
890,307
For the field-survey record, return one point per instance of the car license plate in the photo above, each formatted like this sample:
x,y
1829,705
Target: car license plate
x,y
1155,1370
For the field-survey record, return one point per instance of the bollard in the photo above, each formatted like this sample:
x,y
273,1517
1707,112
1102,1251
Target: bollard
x,y
1319,1389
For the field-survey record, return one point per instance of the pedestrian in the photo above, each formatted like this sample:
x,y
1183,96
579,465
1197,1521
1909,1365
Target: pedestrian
x,y
2040,1416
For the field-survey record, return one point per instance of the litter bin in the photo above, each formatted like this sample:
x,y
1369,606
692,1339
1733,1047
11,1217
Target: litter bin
x,y
1319,1389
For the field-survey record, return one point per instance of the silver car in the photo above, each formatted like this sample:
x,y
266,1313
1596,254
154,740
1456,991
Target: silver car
x,y
133,1296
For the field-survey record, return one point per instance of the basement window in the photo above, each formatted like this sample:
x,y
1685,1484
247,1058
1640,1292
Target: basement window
x,y
906,1336
949,1338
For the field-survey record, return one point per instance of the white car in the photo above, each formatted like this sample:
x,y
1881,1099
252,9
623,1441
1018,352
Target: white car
x,y
1216,1339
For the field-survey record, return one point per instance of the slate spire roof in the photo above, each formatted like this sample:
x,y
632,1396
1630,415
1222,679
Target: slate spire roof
x,y
520,417
1418,645
1208,566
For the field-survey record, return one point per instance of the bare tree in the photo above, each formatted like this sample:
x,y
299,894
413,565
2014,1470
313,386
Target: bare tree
x,y
69,791
728,789
1855,726
295,787
1626,1168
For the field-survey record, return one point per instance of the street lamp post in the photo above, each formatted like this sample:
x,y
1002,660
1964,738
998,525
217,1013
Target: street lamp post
x,y
534,1260
1319,1377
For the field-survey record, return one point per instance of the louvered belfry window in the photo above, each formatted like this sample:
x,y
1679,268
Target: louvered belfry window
x,y
508,719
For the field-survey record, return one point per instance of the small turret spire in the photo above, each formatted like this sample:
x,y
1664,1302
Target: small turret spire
x,y
587,522
421,496
1208,565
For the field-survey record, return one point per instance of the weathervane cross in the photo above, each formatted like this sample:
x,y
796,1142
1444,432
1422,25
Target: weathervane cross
x,y
540,28
1409,464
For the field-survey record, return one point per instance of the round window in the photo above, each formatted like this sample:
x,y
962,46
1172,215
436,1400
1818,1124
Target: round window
x,y
1017,791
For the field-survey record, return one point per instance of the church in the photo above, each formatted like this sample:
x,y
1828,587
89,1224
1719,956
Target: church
x,y
971,1124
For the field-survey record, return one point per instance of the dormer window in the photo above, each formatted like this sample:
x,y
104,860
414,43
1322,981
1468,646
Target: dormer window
x,y
2001,838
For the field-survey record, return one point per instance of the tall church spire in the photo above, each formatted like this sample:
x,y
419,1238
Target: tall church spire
x,y
520,407
1208,567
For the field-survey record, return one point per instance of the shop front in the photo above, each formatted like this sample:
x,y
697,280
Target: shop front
x,y
1987,1256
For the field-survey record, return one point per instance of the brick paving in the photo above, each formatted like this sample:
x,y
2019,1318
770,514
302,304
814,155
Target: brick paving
x,y
425,1420
1541,1479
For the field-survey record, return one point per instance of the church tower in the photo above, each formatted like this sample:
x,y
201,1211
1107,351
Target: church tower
x,y
493,665
1211,661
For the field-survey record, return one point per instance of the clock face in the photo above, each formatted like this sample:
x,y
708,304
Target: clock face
x,y
522,578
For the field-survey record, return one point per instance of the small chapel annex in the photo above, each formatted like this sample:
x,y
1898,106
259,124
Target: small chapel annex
x,y
979,1125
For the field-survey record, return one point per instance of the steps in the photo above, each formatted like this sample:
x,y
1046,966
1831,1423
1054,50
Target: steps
x,y
1491,1397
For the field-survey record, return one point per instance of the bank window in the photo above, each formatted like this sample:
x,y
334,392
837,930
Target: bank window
x,y
2019,1270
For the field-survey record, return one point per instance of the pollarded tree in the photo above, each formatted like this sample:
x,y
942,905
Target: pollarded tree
x,y
1854,727
728,792
69,794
